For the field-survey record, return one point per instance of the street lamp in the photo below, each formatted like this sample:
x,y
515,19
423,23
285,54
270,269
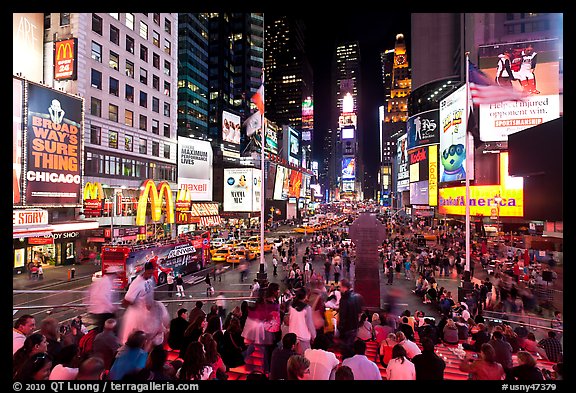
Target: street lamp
x,y
498,199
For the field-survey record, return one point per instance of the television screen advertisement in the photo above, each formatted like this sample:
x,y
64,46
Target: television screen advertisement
x,y
348,168
453,140
423,129
419,193
53,149
17,120
195,168
256,190
402,172
230,135
279,182
295,183
535,67
239,190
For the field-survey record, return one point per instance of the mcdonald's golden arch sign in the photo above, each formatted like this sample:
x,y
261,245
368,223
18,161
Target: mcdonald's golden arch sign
x,y
93,191
156,194
183,200
92,197
65,59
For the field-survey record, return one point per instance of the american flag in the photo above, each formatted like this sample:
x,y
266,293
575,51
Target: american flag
x,y
485,91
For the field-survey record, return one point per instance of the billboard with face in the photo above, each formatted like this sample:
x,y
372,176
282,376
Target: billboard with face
x,y
281,173
403,174
230,135
195,168
242,189
535,69
453,137
423,129
348,168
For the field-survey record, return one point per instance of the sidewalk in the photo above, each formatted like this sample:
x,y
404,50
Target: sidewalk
x,y
53,275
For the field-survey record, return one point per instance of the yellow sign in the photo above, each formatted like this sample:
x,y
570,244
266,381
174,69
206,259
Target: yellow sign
x,y
156,195
183,199
93,191
433,175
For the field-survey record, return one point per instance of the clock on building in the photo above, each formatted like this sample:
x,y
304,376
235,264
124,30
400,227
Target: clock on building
x,y
400,59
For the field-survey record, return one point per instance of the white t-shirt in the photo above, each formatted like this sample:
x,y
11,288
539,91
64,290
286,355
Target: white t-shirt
x,y
363,368
321,364
400,371
61,373
101,296
141,291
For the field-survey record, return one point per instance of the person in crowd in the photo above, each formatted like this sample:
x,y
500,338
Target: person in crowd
x,y
298,368
49,328
480,337
485,368
529,344
35,343
428,365
233,347
177,328
36,368
107,343
386,347
362,367
411,347
155,369
194,330
503,351
450,332
558,324
102,298
131,356
67,367
213,357
23,327
170,282
138,302
526,370
344,373
462,327
365,329
512,338
349,315
552,347
179,285
91,369
195,367
406,328
280,356
322,362
429,329
193,314
399,367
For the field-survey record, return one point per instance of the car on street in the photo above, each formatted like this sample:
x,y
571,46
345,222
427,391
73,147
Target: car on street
x,y
255,247
220,255
246,253
217,242
235,257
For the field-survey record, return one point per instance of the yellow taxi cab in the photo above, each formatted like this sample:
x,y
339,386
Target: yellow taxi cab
x,y
255,247
304,229
245,253
235,257
220,255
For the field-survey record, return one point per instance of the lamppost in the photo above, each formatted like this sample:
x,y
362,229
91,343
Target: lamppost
x,y
498,199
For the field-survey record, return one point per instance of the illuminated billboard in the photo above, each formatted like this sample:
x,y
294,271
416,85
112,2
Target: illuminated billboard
x,y
242,189
28,45
419,193
230,135
453,137
295,183
348,168
17,120
293,146
535,66
482,198
281,183
195,168
423,129
65,59
402,171
348,133
307,117
347,120
53,153
348,186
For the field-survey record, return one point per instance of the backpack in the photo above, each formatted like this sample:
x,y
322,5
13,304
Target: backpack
x,y
86,342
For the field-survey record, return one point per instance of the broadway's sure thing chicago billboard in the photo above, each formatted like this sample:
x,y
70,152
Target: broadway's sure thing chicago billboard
x,y
53,149
195,168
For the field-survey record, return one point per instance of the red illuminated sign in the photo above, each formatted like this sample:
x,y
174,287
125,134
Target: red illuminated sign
x,y
65,59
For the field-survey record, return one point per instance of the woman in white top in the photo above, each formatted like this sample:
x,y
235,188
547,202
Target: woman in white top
x,y
399,367
67,369
301,322
365,329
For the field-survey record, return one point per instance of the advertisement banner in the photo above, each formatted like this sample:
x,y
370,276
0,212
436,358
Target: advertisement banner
x,y
242,189
433,175
535,68
279,184
402,170
155,195
295,183
230,135
65,59
347,186
419,193
17,133
195,172
453,137
348,168
53,151
423,129
28,45
418,159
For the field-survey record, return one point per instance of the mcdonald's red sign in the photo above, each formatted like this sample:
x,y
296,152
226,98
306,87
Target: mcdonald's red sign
x,y
65,58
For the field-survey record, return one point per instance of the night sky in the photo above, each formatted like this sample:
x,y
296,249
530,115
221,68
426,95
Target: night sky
x,y
375,31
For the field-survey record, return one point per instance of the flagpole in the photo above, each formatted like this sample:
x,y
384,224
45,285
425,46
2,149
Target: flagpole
x,y
466,275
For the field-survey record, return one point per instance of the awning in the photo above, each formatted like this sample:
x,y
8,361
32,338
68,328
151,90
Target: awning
x,y
32,231
35,231
210,221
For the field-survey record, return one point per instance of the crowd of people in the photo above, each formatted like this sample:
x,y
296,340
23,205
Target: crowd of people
x,y
311,326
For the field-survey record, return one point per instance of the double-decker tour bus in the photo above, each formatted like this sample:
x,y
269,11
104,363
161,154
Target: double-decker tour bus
x,y
186,254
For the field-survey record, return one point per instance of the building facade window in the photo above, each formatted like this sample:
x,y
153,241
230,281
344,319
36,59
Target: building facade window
x,y
156,149
113,112
114,35
156,18
129,93
97,52
128,143
167,67
143,99
129,20
143,146
167,46
96,24
143,53
115,15
96,80
143,76
143,30
129,44
155,60
64,18
129,118
155,105
166,150
114,87
155,127
114,61
156,39
129,69
166,109
143,123
155,82
167,130
113,139
95,135
95,107
167,26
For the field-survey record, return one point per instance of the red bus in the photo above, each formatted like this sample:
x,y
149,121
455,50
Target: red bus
x,y
186,254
